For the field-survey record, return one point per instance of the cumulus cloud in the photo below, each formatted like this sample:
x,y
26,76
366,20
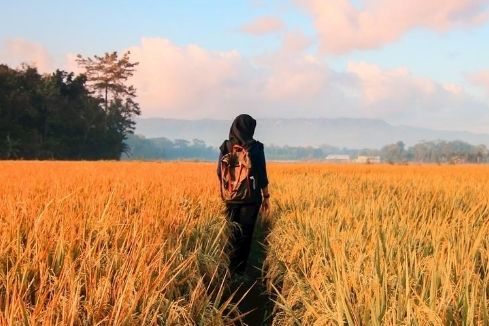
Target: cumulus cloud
x,y
191,82
186,82
263,25
296,42
14,52
292,75
398,96
343,27
480,79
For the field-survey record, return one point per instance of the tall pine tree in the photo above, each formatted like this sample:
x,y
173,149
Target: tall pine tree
x,y
107,77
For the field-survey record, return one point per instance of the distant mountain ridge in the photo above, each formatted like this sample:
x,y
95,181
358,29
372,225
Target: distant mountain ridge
x,y
340,132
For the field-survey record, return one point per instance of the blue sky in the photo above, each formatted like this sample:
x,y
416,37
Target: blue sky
x,y
93,26
427,56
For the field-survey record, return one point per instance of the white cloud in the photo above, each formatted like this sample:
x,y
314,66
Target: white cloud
x,y
192,82
342,27
14,52
264,25
400,97
189,82
185,82
480,79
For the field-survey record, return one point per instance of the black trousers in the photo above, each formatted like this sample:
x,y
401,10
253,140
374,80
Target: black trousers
x,y
245,216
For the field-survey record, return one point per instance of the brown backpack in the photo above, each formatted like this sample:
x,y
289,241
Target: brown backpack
x,y
237,183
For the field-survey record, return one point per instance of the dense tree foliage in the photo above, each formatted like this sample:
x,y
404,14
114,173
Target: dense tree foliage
x,y
162,148
438,151
298,153
435,152
423,152
107,77
60,116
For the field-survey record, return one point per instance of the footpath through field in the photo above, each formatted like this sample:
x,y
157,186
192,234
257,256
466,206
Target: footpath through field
x,y
257,302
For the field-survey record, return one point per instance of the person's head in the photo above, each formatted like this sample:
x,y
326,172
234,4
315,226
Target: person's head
x,y
242,130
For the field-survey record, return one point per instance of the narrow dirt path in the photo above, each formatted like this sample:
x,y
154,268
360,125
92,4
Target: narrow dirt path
x,y
257,300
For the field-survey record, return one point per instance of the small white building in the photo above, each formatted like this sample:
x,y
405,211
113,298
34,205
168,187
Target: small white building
x,y
338,158
368,159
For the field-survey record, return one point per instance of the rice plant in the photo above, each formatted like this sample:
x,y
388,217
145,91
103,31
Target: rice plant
x,y
111,244
380,245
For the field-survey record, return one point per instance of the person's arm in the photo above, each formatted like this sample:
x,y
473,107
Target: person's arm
x,y
262,168
263,179
219,166
266,199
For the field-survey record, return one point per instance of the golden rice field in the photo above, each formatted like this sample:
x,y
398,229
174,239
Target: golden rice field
x,y
111,243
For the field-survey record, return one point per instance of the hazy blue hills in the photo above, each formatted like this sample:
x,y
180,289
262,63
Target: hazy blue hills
x,y
342,132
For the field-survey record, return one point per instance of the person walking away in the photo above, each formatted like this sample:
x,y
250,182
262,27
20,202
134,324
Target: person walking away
x,y
244,187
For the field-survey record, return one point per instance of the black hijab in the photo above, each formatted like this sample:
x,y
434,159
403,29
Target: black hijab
x,y
241,133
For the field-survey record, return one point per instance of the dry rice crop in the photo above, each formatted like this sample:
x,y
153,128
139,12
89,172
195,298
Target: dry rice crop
x,y
112,243
380,245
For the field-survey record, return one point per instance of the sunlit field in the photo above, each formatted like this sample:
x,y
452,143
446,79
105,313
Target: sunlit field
x,y
111,243
380,245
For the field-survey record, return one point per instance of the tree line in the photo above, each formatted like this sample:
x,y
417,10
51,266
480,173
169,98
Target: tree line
x,y
142,148
438,151
66,116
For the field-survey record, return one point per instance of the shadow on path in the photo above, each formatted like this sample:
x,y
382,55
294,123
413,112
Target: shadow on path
x,y
258,303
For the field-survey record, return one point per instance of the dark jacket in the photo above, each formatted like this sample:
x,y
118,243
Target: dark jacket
x,y
258,167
